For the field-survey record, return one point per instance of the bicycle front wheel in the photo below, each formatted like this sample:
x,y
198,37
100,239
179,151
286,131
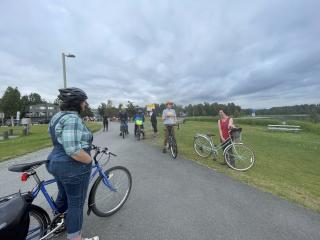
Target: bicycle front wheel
x,y
174,148
105,201
239,157
202,146
138,134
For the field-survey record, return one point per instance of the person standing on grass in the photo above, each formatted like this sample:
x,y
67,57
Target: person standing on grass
x,y
105,123
169,118
225,124
70,161
153,120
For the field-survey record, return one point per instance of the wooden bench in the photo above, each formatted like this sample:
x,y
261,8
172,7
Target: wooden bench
x,y
287,128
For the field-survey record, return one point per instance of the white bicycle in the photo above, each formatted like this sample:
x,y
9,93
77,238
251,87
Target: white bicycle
x,y
237,155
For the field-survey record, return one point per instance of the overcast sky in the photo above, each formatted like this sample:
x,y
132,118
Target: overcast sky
x,y
253,53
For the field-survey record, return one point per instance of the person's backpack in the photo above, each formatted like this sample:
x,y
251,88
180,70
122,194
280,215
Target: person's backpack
x,y
14,217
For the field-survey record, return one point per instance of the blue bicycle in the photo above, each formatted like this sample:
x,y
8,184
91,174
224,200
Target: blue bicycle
x,y
107,195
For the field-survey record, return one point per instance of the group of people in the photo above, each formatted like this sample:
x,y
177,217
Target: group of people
x,y
138,120
70,161
169,117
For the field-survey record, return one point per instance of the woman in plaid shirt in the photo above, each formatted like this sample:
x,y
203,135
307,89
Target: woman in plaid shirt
x,y
70,161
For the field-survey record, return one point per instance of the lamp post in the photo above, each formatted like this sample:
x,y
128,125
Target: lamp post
x,y
64,67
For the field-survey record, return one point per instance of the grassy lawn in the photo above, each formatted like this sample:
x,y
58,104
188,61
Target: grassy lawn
x,y
37,139
287,164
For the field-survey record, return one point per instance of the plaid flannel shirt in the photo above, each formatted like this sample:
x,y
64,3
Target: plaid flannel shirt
x,y
71,132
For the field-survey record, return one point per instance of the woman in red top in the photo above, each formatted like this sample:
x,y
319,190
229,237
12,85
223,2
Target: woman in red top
x,y
225,124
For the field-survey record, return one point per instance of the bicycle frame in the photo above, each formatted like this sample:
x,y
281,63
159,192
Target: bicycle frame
x,y
124,124
96,168
170,131
216,148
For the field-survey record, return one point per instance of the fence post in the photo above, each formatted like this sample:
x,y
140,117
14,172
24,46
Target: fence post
x,y
5,135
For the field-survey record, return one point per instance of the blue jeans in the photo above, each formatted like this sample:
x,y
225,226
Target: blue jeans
x,y
73,181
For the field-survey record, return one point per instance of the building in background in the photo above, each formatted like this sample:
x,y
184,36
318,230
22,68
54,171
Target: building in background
x,y
42,112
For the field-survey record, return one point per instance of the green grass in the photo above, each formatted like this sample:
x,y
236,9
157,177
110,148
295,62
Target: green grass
x,y
37,139
287,164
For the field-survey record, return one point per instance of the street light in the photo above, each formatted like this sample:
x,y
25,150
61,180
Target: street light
x,y
64,67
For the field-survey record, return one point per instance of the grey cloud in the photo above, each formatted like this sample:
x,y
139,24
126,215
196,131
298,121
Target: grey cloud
x,y
246,52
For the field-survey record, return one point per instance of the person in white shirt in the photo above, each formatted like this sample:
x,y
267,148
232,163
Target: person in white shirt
x,y
169,118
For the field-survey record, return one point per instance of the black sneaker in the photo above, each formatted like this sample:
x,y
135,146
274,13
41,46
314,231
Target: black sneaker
x,y
164,150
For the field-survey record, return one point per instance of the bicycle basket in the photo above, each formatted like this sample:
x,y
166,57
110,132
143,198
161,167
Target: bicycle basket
x,y
235,134
14,217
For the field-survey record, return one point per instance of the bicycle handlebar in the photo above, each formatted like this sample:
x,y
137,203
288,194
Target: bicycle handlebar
x,y
101,150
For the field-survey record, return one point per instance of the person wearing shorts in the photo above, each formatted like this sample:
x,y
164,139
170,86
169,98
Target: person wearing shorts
x,y
169,118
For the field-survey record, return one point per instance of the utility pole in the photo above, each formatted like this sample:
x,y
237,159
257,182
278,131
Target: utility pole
x,y
64,67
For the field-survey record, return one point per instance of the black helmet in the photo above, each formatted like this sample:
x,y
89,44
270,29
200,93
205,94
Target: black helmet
x,y
72,95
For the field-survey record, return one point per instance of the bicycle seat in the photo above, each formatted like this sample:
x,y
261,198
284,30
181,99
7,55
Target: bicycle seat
x,y
25,167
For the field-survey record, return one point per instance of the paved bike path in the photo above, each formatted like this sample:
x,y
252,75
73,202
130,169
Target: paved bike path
x,y
179,199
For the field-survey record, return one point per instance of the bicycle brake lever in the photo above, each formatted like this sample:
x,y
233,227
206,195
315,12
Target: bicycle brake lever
x,y
94,147
112,154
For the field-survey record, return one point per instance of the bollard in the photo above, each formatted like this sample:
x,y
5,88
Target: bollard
x,y
5,135
10,132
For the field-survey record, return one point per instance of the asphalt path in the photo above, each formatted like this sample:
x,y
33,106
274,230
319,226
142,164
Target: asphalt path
x,y
179,199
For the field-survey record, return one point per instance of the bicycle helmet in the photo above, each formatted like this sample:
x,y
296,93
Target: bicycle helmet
x,y
72,95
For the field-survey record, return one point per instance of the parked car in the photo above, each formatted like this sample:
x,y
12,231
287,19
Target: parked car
x,y
9,123
44,121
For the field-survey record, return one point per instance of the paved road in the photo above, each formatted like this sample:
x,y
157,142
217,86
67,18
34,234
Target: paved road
x,y
178,199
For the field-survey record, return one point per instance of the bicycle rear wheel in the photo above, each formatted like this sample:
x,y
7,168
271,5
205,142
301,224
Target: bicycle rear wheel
x,y
105,202
138,133
202,146
39,223
239,156
173,148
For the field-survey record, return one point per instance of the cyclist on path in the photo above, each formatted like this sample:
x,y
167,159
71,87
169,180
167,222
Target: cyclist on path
x,y
169,117
138,119
123,117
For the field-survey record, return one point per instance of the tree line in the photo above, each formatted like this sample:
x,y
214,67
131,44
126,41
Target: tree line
x,y
12,101
289,110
